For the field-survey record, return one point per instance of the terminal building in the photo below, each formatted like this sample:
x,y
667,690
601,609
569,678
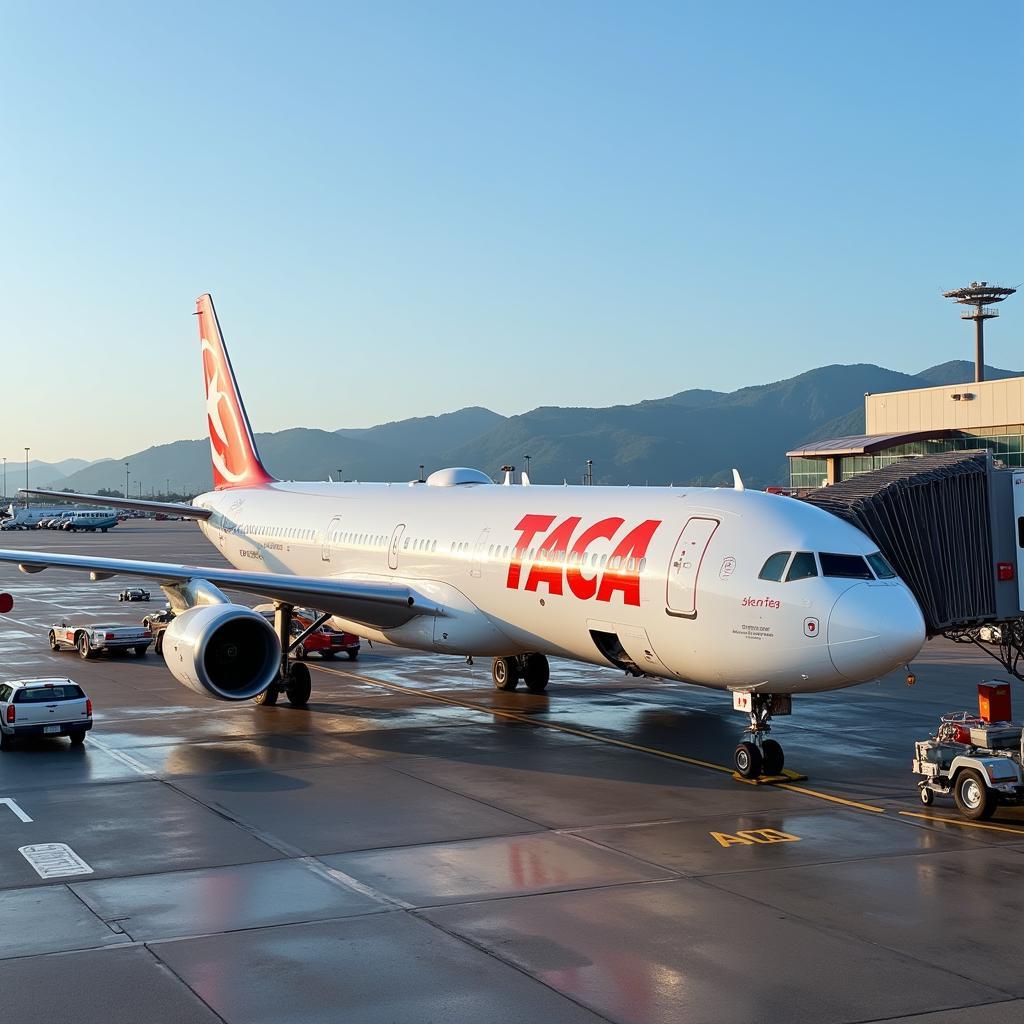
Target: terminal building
x,y
982,415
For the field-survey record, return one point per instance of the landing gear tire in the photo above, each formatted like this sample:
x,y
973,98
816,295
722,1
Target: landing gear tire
x,y
772,757
747,760
927,796
268,696
536,673
299,686
504,675
973,797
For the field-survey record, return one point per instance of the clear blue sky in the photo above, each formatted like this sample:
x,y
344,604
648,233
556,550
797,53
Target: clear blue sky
x,y
404,208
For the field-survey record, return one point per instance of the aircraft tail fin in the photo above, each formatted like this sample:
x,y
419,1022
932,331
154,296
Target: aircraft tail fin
x,y
236,463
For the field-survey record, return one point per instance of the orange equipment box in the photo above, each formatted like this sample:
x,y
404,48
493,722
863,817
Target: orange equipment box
x,y
994,702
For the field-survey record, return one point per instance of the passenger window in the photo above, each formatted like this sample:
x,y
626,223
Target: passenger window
x,y
774,566
802,567
850,567
643,564
883,570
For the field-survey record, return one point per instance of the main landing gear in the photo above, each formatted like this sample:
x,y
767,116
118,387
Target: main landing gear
x,y
760,755
531,668
293,680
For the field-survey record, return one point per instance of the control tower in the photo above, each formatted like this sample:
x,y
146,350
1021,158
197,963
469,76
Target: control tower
x,y
982,297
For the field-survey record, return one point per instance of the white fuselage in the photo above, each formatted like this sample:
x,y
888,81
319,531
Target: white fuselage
x,y
662,579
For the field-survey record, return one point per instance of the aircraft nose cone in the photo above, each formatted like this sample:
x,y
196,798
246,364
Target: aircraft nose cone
x,y
874,629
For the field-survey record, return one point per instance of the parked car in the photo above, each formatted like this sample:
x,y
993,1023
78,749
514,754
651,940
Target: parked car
x,y
302,618
157,623
134,594
340,642
90,641
43,707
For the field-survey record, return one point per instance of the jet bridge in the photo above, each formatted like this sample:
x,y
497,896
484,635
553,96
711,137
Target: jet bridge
x,y
952,525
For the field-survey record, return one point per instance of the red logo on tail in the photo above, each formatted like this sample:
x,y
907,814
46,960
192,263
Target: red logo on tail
x,y
235,462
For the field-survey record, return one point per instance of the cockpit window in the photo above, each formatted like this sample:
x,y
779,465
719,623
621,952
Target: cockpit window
x,y
883,570
802,567
774,566
851,567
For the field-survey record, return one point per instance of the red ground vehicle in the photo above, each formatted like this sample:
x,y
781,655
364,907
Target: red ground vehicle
x,y
338,642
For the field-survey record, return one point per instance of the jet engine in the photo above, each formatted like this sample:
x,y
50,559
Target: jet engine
x,y
226,651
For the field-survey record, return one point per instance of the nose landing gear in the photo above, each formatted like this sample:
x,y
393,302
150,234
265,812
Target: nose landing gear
x,y
760,755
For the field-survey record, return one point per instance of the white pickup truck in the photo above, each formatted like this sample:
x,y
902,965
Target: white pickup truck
x,y
43,707
90,641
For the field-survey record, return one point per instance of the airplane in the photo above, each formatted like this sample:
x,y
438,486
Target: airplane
x,y
26,518
756,594
101,519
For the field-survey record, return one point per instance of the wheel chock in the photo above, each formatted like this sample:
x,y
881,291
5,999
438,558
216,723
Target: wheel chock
x,y
771,780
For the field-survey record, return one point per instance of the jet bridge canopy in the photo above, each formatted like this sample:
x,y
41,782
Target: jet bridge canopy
x,y
944,521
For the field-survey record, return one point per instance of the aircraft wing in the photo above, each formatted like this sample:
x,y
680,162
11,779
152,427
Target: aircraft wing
x,y
374,603
174,507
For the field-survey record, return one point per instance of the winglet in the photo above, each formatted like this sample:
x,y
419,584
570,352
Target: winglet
x,y
736,481
236,463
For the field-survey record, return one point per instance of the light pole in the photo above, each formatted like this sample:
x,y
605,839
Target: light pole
x,y
168,486
526,459
5,476
26,477
126,475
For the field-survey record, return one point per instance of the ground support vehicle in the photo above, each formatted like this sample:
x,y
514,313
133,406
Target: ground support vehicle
x,y
90,641
980,764
133,594
43,707
340,642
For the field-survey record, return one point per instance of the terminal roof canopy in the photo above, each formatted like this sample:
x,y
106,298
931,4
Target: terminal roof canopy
x,y
864,444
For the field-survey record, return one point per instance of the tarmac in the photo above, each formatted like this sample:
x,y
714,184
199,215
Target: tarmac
x,y
416,846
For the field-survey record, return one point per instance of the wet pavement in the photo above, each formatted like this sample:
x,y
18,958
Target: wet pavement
x,y
416,846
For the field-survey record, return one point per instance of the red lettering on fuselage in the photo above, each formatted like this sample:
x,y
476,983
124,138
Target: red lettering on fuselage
x,y
623,573
559,559
547,569
528,528
585,587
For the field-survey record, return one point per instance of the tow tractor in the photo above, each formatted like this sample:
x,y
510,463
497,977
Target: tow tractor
x,y
976,759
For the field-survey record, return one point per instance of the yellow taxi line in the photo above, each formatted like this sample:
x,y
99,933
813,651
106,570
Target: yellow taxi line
x,y
962,823
828,796
516,716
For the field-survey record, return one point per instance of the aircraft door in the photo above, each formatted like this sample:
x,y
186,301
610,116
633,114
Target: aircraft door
x,y
476,567
394,546
684,568
330,538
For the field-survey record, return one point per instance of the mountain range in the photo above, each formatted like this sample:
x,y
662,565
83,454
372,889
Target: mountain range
x,y
695,436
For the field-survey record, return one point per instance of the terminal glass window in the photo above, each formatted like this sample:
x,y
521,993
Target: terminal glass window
x,y
774,566
852,567
803,567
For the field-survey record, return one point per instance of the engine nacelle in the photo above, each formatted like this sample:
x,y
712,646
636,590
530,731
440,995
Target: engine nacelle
x,y
225,651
